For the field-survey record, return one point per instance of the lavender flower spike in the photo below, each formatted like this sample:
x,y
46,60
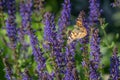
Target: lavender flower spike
x,y
64,21
37,53
94,11
114,65
26,24
95,55
38,56
11,24
25,12
49,30
70,72
65,14
52,45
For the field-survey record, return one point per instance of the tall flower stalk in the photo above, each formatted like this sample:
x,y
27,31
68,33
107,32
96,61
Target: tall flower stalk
x,y
11,24
70,70
37,52
84,42
95,55
94,62
94,13
49,29
25,19
25,12
51,44
63,22
85,59
114,65
12,33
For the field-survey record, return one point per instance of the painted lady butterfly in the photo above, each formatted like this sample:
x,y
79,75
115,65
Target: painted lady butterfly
x,y
79,30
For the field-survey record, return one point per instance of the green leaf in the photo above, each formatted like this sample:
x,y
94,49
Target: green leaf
x,y
104,26
48,66
112,44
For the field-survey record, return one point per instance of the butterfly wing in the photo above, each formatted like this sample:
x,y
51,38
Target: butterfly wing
x,y
77,33
83,32
79,30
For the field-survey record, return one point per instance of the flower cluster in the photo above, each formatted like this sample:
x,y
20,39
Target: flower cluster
x,y
94,13
95,55
38,54
70,72
49,30
64,21
84,48
114,65
52,43
11,24
26,12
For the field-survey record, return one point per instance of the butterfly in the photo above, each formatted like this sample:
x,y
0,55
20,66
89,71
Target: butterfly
x,y
78,32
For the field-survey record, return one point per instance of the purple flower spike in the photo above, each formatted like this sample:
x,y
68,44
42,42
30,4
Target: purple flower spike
x,y
36,49
64,21
25,9
25,12
95,55
49,30
52,44
11,24
38,54
70,72
84,48
94,11
114,65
